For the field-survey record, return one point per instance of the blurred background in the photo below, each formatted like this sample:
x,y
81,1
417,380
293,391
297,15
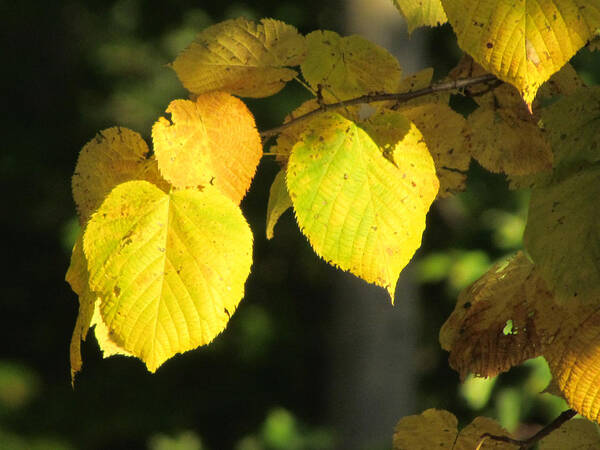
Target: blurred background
x,y
313,358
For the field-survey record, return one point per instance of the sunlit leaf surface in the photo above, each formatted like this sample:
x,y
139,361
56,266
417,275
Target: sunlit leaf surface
x,y
523,42
361,211
210,141
169,268
241,57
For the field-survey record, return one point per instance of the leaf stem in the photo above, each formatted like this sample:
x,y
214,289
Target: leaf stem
x,y
565,416
382,97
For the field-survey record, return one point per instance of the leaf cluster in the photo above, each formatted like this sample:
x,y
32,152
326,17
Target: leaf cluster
x,y
165,251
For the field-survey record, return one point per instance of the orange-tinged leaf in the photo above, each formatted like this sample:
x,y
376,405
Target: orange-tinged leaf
x,y
114,156
361,211
420,13
347,67
437,429
241,57
279,202
169,268
523,42
210,141
494,325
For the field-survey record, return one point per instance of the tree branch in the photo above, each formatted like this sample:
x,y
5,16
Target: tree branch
x,y
372,98
565,416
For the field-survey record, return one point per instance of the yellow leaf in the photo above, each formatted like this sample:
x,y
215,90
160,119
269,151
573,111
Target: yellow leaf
x,y
502,140
279,202
289,136
347,67
169,268
108,346
442,129
432,428
241,57
574,359
572,125
563,233
437,429
114,156
360,211
470,436
575,434
420,13
523,42
77,277
210,141
494,325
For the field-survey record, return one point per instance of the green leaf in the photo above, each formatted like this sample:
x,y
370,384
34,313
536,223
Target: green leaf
x,y
279,202
523,42
563,233
241,57
420,13
169,268
360,211
347,67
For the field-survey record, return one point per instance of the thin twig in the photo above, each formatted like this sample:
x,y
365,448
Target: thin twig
x,y
565,416
372,98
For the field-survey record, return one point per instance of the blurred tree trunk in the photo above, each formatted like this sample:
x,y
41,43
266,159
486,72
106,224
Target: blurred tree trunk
x,y
373,343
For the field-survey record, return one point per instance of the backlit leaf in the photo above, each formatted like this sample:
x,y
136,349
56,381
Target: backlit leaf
x,y
494,324
442,129
574,359
279,202
210,141
347,67
106,343
114,156
437,429
576,434
523,42
420,13
77,277
563,233
361,211
241,57
289,136
169,268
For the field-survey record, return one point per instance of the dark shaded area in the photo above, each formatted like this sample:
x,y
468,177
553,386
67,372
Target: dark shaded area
x,y
73,68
